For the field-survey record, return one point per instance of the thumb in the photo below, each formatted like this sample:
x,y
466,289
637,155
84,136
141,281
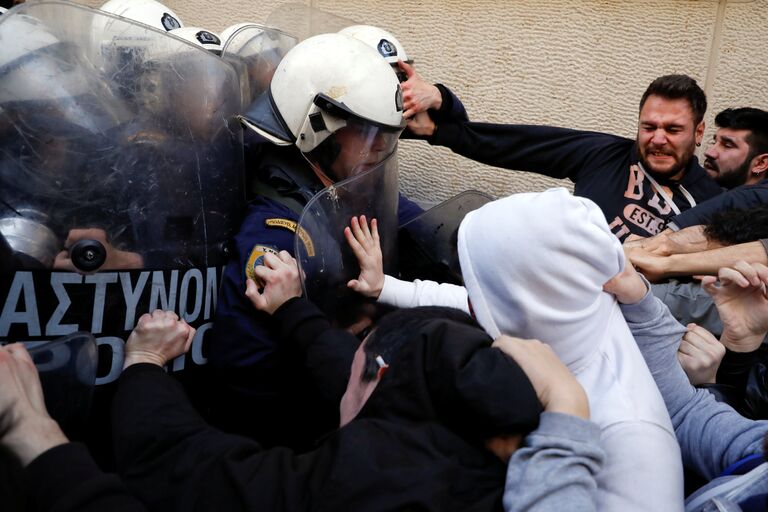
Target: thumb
x,y
355,285
252,292
709,283
407,68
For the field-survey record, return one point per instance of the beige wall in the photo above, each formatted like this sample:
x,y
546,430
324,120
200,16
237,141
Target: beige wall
x,y
576,63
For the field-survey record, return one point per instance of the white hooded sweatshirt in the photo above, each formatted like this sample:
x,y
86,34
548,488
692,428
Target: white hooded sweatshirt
x,y
534,266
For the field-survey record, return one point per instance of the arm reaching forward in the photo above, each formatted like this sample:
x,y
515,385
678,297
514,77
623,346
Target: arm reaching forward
x,y
712,435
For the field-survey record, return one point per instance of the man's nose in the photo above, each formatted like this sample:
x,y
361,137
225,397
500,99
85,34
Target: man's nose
x,y
379,142
659,137
712,152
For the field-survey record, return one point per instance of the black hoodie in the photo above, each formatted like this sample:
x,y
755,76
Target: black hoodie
x,y
602,166
417,444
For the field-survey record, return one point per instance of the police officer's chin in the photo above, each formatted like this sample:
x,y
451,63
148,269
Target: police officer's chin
x,y
326,180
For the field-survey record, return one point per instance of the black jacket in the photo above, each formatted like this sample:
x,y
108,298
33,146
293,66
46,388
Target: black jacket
x,y
65,478
417,444
740,198
600,165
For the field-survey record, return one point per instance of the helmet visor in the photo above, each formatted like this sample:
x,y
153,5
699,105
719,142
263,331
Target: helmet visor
x,y
355,144
359,147
325,259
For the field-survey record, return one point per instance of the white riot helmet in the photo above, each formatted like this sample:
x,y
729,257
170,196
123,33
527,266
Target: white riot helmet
x,y
199,36
230,31
382,41
148,12
332,84
255,51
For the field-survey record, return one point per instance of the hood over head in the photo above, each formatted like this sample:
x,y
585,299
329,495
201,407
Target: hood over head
x,y
446,371
534,265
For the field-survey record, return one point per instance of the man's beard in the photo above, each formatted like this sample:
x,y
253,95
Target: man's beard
x,y
734,178
665,176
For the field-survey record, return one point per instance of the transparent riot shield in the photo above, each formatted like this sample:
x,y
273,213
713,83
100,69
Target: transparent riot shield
x,y
255,51
67,369
428,243
121,177
325,260
304,22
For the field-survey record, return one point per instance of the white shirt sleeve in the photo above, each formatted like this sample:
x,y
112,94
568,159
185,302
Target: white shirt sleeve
x,y
406,294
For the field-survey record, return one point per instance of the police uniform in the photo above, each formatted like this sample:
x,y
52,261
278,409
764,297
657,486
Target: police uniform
x,y
261,391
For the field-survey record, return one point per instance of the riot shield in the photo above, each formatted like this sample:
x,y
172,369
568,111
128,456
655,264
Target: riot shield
x,y
255,51
121,176
428,243
67,369
304,22
325,260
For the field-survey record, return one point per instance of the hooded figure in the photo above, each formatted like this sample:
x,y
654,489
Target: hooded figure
x,y
534,266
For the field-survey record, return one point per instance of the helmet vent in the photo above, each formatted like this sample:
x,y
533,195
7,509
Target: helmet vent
x,y
316,122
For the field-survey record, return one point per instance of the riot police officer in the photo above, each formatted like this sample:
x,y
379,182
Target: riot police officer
x,y
333,111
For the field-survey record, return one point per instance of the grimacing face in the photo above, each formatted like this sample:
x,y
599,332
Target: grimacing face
x,y
667,136
728,159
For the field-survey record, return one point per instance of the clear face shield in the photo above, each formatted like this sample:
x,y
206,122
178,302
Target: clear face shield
x,y
355,145
255,51
304,22
325,259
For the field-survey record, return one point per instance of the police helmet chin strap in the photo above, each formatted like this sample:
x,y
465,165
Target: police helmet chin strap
x,y
322,157
324,179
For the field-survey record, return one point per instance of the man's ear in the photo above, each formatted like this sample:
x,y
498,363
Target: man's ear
x,y
700,132
759,165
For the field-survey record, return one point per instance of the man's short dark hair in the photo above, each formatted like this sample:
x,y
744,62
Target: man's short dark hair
x,y
730,227
676,87
747,118
400,327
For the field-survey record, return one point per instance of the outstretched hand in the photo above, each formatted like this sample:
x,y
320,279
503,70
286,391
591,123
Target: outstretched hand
x,y
627,285
280,275
686,240
700,354
422,125
366,246
25,426
157,338
556,387
418,94
741,298
652,266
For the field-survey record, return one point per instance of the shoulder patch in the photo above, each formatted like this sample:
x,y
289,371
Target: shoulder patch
x,y
275,222
257,258
292,226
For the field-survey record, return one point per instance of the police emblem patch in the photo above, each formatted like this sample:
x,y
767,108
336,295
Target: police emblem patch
x,y
169,22
387,49
206,37
257,258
